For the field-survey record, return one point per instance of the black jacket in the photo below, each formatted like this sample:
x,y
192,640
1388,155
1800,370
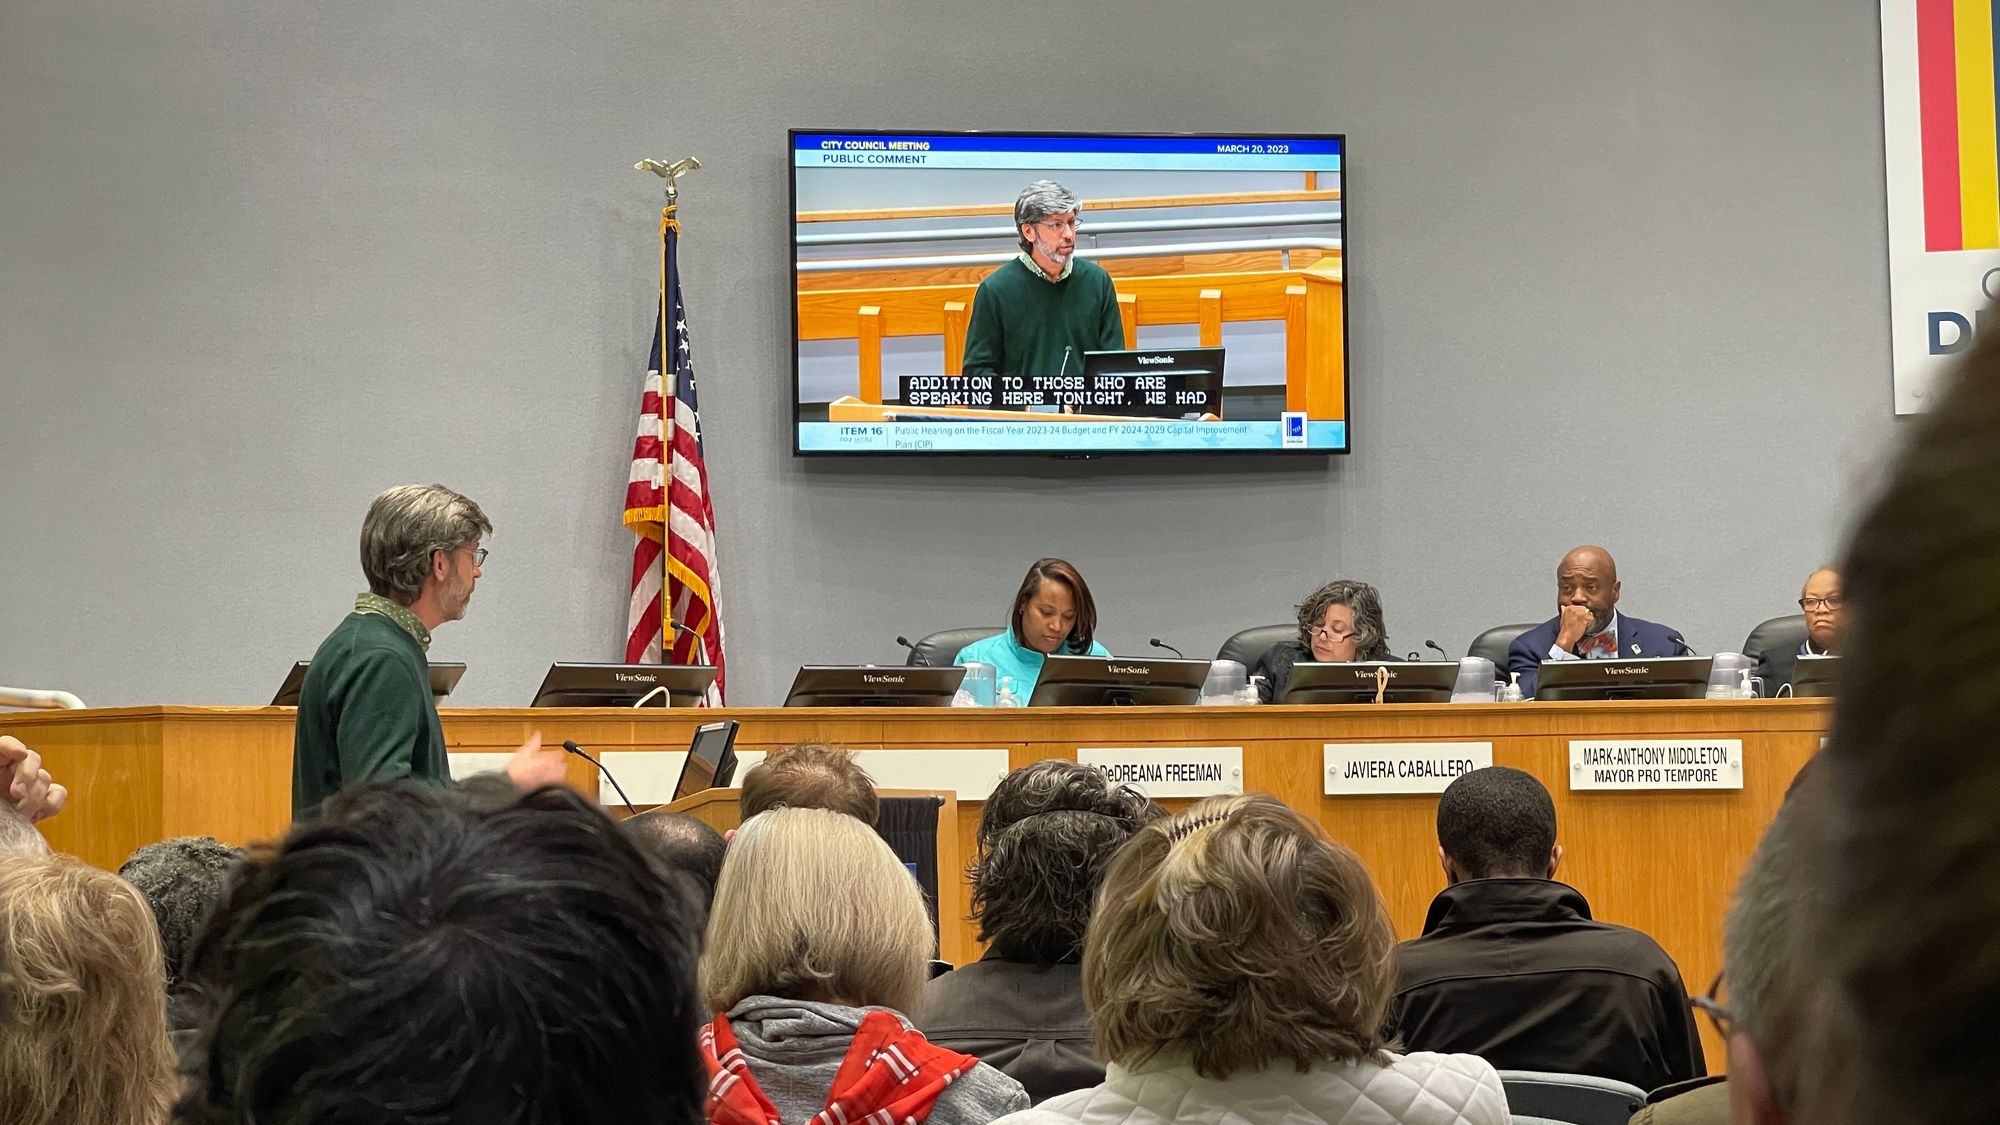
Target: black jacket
x,y
1027,1020
1515,971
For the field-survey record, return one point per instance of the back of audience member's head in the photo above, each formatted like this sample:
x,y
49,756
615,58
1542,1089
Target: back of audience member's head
x,y
1237,936
458,956
678,842
1767,962
19,836
182,879
810,775
83,1023
1046,836
1497,823
1911,873
812,905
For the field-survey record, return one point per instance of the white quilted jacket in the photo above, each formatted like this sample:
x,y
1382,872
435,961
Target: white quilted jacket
x,y
1415,1089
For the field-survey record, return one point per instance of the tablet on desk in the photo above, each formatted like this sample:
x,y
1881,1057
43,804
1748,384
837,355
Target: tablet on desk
x,y
711,759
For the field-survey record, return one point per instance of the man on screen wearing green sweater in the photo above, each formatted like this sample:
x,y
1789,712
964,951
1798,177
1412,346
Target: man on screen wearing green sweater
x,y
365,710
1039,313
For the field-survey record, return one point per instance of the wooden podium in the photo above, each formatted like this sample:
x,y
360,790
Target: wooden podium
x,y
718,808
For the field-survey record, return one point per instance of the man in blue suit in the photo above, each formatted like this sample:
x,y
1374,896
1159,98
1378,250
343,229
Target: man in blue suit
x,y
1587,625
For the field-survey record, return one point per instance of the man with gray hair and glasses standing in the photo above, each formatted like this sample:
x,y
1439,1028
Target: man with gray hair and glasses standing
x,y
1038,314
365,710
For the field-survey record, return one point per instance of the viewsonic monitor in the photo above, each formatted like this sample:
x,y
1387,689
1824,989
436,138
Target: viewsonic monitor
x,y
1118,681
1667,677
910,290
1815,675
623,685
1409,682
898,685
711,759
444,677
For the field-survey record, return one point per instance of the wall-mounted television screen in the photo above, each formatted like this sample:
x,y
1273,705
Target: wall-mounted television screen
x,y
1068,293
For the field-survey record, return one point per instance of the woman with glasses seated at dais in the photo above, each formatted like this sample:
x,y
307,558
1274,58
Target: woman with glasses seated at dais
x,y
1339,623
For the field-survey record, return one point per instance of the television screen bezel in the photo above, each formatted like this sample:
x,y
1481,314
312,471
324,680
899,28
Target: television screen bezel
x,y
444,677
1204,455
1585,689
696,679
1362,686
1064,671
938,678
1823,685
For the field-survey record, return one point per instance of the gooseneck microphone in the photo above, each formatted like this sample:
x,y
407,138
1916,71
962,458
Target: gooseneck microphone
x,y
700,647
1158,643
1687,649
915,653
578,751
1434,647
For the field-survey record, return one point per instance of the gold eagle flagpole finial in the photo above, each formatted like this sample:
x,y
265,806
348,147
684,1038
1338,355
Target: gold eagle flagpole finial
x,y
670,172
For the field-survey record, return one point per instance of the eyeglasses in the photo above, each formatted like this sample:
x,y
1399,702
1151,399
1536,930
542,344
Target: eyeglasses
x,y
1814,605
1058,225
1710,1003
1323,633
479,556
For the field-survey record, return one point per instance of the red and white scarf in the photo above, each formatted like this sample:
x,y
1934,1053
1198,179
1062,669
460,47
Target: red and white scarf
x,y
891,1075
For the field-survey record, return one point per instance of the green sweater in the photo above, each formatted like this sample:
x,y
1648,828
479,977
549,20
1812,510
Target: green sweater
x,y
365,712
1023,324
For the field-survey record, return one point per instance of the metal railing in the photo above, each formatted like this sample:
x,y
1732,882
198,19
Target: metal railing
x,y
40,698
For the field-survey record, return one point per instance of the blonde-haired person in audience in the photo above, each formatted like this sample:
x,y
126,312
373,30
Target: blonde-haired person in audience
x,y
83,1000
1237,968
818,941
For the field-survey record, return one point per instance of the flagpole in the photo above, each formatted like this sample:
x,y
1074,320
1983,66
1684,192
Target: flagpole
x,y
671,171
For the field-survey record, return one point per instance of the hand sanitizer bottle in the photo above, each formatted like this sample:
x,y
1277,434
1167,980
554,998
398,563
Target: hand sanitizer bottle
x,y
1512,692
1005,697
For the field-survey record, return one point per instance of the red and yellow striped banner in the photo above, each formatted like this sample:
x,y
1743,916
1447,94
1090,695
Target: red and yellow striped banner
x,y
1955,89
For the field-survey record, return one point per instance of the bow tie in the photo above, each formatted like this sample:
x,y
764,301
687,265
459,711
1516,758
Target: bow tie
x,y
1602,642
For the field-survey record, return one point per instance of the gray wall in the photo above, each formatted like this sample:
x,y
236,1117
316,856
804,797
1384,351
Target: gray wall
x,y
1616,270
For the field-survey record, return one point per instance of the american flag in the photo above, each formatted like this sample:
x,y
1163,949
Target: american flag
x,y
667,502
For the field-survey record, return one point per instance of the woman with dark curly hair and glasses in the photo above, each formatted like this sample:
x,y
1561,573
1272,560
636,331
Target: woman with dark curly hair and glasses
x,y
1046,837
1340,622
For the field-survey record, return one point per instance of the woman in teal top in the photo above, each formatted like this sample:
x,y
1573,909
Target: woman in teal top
x,y
1053,614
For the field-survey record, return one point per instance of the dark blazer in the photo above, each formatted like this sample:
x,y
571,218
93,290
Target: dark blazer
x,y
1517,972
1027,1020
1636,638
1276,667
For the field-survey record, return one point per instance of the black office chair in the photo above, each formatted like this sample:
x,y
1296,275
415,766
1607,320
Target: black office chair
x,y
939,649
1774,646
1577,1098
1248,646
1492,644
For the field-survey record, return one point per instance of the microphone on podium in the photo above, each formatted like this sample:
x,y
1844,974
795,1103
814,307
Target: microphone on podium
x,y
914,650
573,748
700,645
1433,646
1686,648
1158,643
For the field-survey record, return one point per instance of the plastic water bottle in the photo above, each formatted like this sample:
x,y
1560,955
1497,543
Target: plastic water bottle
x,y
1005,697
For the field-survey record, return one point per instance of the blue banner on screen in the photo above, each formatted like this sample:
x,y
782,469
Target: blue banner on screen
x,y
981,293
